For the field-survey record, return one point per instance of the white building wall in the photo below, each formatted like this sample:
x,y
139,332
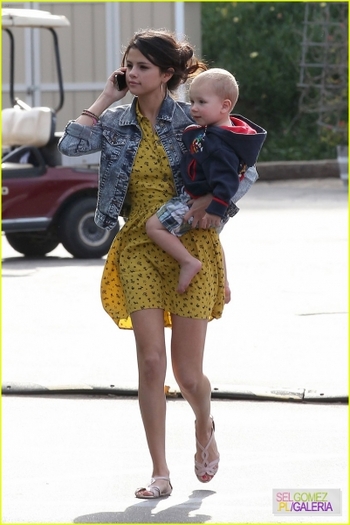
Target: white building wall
x,y
90,48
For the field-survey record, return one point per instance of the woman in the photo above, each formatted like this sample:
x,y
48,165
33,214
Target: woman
x,y
141,149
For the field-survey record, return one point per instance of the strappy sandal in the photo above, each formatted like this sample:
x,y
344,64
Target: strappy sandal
x,y
206,471
154,489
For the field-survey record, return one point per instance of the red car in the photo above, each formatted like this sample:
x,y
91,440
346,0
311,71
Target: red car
x,y
47,199
44,205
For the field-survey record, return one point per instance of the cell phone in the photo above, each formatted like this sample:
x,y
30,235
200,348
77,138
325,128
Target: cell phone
x,y
120,81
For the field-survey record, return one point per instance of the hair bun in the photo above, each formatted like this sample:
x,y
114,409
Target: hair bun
x,y
162,48
186,53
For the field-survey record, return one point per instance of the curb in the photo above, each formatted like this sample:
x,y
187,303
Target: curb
x,y
313,169
250,393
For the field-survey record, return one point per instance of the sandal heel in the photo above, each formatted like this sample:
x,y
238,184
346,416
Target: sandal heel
x,y
205,471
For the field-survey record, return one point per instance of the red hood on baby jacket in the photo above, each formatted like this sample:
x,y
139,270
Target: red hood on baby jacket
x,y
245,137
216,156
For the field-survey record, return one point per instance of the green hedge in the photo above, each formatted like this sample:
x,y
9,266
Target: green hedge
x,y
260,43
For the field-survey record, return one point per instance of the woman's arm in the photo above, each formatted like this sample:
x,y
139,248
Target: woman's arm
x,y
109,95
83,136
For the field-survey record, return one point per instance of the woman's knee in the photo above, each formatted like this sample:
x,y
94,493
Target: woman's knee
x,y
150,343
152,366
188,383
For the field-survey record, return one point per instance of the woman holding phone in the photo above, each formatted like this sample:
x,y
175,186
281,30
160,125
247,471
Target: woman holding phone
x,y
141,149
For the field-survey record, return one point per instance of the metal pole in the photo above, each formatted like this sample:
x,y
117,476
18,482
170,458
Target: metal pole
x,y
180,33
112,40
12,67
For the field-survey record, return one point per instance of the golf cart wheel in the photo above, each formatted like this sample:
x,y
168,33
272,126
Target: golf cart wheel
x,y
79,234
33,244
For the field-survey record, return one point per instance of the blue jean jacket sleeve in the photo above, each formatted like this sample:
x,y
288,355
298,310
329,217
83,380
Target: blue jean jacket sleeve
x,y
80,140
117,135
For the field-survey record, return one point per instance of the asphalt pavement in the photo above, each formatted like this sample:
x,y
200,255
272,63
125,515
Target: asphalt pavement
x,y
278,362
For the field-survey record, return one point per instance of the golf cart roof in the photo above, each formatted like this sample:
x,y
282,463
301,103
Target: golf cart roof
x,y
31,18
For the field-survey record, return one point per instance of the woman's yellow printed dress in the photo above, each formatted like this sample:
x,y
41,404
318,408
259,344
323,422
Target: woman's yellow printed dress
x,y
138,274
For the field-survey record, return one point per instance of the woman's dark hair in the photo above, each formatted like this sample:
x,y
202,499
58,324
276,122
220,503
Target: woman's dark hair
x,y
164,51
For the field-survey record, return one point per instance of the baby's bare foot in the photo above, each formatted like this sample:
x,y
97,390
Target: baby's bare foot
x,y
187,272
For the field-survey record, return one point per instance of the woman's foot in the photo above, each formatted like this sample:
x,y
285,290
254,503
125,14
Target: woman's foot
x,y
187,271
207,458
160,487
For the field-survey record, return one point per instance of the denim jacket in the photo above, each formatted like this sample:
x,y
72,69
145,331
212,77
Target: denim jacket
x,y
117,135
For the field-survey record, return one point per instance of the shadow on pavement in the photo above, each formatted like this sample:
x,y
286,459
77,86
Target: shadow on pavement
x,y
142,512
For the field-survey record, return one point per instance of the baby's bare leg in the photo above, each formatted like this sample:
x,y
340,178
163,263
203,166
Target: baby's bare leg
x,y
172,245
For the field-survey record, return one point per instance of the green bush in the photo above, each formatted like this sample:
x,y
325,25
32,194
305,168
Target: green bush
x,y
260,43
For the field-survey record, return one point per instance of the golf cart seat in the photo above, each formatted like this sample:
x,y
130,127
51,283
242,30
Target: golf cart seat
x,y
29,135
28,127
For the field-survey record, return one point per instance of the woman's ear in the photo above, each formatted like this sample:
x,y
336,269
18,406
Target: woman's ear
x,y
168,74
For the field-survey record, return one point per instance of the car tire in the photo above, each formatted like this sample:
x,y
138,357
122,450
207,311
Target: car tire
x,y
79,234
33,244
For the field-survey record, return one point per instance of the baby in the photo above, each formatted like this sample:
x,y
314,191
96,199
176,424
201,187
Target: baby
x,y
220,146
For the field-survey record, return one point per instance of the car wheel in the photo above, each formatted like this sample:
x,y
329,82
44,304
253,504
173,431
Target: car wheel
x,y
33,244
79,234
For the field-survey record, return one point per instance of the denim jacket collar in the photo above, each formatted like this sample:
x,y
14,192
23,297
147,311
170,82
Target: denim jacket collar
x,y
166,112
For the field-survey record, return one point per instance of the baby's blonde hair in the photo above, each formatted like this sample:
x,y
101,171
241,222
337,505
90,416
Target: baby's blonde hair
x,y
223,83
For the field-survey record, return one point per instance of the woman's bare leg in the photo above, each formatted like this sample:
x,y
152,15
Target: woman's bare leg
x,y
148,328
187,349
